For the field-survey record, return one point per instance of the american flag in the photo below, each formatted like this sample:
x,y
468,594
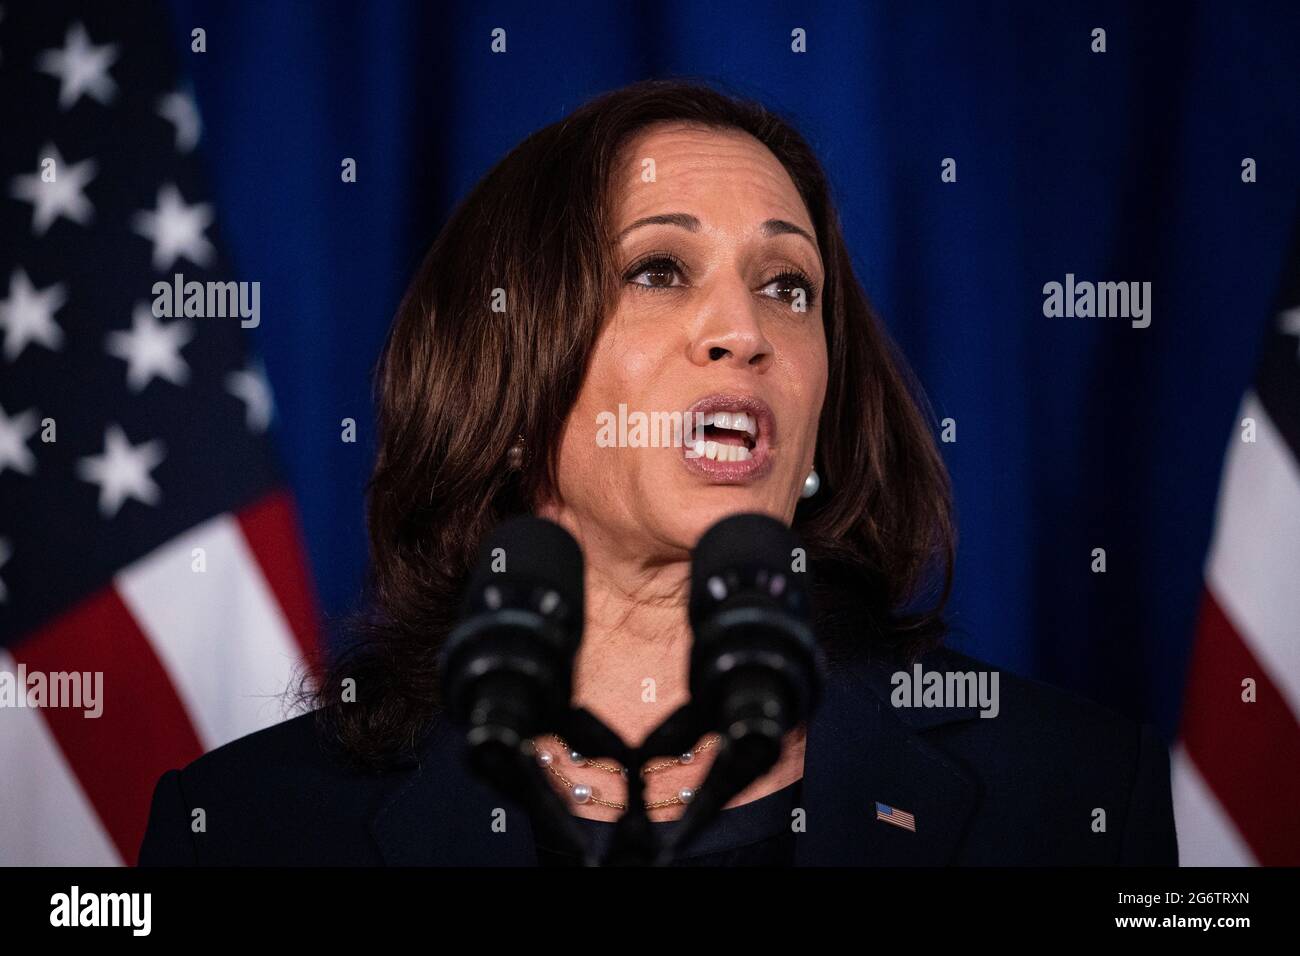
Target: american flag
x,y
892,815
145,534
1236,765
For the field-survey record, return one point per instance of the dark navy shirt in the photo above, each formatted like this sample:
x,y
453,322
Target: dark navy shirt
x,y
757,833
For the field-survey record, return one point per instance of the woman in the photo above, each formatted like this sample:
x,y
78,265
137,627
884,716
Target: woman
x,y
667,248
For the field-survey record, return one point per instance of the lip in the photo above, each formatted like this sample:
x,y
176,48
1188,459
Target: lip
x,y
735,472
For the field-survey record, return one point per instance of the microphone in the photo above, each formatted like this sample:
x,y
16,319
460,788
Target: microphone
x,y
755,664
507,667
756,669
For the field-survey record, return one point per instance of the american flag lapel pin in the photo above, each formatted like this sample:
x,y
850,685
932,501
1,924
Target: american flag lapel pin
x,y
895,816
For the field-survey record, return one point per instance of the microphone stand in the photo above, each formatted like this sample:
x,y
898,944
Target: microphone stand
x,y
744,755
634,843
747,751
504,760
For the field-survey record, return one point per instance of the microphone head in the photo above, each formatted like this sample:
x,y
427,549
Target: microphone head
x,y
507,666
755,665
752,557
532,554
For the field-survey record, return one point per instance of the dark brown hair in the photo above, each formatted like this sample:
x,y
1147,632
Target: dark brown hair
x,y
458,382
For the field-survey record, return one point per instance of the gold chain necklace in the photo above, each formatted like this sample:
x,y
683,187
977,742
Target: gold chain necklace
x,y
583,793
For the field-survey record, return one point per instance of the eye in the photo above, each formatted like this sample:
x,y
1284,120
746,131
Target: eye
x,y
658,271
785,286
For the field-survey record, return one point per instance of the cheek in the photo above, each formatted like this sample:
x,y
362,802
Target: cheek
x,y
805,370
635,363
623,369
818,397
631,360
618,362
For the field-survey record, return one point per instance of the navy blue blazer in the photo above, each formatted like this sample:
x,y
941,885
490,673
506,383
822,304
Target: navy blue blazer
x,y
1020,788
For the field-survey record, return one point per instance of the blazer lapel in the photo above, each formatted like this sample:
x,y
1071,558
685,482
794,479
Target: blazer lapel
x,y
439,814
861,751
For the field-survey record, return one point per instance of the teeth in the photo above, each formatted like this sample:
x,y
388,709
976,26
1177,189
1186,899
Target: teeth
x,y
715,452
733,421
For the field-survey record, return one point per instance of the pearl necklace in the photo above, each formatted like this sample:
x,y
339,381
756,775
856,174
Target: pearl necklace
x,y
583,793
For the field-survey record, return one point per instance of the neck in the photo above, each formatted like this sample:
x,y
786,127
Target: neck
x,y
632,668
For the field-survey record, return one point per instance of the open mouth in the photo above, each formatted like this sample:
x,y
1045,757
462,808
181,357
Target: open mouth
x,y
728,436
731,437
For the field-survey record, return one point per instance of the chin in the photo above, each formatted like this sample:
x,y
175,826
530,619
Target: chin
x,y
701,508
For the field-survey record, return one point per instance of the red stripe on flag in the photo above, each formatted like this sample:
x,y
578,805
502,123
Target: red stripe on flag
x,y
1248,753
270,527
144,729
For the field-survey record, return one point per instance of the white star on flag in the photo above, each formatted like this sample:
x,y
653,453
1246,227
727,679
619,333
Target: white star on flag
x,y
1289,321
176,229
14,433
180,110
82,68
152,349
6,552
123,471
250,385
64,196
28,315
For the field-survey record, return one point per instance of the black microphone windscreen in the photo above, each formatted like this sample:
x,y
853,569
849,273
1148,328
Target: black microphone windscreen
x,y
745,540
531,549
741,543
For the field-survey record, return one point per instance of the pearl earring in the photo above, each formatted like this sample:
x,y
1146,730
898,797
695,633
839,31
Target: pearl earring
x,y
811,484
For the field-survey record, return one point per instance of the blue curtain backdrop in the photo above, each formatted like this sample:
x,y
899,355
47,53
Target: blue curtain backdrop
x,y
1071,433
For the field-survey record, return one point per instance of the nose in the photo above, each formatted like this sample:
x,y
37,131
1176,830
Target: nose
x,y
728,329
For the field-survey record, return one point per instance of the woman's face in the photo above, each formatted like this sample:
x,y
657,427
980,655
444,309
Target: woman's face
x,y
718,321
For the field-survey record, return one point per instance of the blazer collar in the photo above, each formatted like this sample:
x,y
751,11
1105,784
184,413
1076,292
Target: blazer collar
x,y
860,751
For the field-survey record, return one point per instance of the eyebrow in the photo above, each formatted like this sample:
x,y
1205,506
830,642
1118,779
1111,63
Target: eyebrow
x,y
770,228
684,220
779,227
